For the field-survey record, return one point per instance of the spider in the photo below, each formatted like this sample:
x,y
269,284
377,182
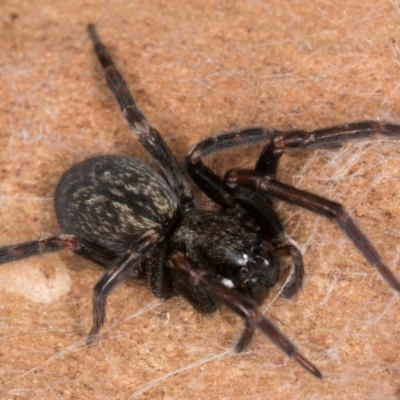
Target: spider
x,y
120,213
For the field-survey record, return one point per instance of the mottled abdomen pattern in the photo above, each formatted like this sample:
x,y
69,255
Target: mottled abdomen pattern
x,y
114,201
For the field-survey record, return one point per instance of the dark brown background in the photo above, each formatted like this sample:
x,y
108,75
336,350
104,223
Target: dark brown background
x,y
198,70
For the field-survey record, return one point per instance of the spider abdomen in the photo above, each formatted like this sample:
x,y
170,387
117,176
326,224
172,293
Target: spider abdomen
x,y
113,201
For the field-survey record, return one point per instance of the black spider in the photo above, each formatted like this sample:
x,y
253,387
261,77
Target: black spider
x,y
123,215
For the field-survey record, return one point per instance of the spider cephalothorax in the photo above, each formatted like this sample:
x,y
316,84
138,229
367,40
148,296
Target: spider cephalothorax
x,y
236,254
122,214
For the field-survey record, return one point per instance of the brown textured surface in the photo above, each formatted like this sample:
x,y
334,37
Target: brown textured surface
x,y
198,70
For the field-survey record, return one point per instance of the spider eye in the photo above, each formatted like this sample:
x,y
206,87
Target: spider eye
x,y
228,283
247,265
251,267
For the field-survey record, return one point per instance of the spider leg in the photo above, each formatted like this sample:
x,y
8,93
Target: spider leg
x,y
245,338
149,137
124,267
319,205
277,142
241,306
268,160
333,136
53,244
207,180
120,267
295,282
